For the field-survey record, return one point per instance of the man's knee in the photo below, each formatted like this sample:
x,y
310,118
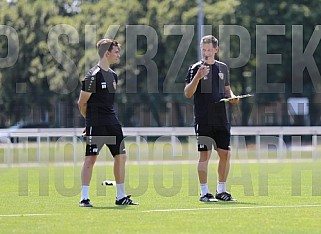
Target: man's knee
x,y
223,154
120,157
90,160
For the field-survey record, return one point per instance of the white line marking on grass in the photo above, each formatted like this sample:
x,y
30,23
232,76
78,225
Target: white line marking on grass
x,y
230,208
24,215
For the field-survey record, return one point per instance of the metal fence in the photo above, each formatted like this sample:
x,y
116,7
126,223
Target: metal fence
x,y
261,137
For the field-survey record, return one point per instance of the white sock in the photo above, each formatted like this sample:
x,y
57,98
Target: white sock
x,y
120,191
221,187
84,192
204,189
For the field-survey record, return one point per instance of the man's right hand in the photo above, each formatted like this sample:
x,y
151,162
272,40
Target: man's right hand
x,y
202,71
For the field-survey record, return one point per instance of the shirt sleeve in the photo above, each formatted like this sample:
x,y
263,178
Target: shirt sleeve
x,y
227,75
190,75
89,83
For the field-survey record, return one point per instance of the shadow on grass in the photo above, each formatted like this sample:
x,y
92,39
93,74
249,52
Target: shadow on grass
x,y
110,207
230,203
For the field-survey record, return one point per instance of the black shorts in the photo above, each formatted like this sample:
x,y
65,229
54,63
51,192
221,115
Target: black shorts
x,y
208,136
111,135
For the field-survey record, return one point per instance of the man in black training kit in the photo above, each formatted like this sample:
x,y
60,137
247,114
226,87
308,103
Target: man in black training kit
x,y
208,81
96,104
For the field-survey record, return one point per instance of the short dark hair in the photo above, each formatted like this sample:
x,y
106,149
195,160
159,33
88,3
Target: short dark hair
x,y
106,44
210,39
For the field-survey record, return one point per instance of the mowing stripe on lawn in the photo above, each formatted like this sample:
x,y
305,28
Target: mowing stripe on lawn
x,y
24,215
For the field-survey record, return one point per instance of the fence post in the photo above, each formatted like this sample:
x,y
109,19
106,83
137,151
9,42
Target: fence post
x,y
258,145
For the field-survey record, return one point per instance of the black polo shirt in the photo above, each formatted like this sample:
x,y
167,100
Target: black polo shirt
x,y
100,106
207,108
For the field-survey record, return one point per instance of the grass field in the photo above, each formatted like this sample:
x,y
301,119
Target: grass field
x,y
272,198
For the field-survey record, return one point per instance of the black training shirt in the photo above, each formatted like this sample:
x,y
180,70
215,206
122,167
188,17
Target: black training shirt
x,y
100,106
207,108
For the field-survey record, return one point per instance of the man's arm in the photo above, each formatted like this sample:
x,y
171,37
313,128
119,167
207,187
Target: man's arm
x,y
229,93
82,102
191,87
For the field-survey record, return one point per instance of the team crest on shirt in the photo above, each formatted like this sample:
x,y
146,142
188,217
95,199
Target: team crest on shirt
x,y
114,85
221,75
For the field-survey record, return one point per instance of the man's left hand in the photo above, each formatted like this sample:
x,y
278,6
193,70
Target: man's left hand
x,y
234,100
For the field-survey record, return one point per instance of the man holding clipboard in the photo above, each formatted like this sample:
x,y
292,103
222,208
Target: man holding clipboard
x,y
208,81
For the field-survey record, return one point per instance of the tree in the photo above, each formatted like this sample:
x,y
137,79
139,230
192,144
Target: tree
x,y
251,14
27,75
55,46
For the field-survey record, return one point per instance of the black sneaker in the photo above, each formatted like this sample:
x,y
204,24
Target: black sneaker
x,y
85,203
126,201
224,196
208,197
